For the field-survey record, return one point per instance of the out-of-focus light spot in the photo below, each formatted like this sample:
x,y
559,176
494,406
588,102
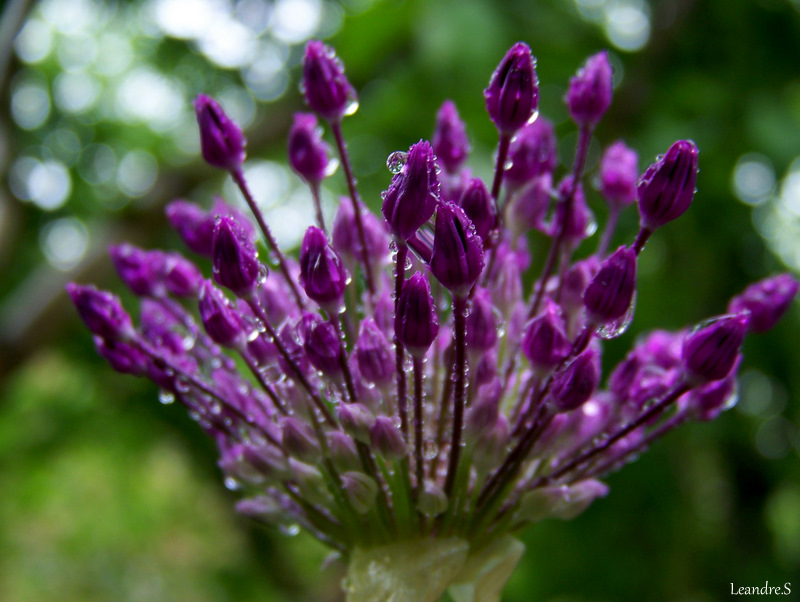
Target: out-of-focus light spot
x,y
75,53
114,54
64,242
137,173
99,165
75,92
49,185
790,190
292,215
628,24
254,14
70,16
266,76
238,104
186,18
30,104
228,43
592,10
296,20
18,177
753,179
775,437
146,95
268,180
756,394
65,145
34,42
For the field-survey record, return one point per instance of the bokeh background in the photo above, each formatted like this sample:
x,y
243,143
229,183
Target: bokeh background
x,y
105,494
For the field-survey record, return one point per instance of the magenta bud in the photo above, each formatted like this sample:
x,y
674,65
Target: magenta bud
x,y
181,277
386,439
298,439
766,301
321,271
308,154
481,322
610,293
576,280
457,258
123,357
578,223
479,208
140,270
710,352
589,93
345,238
532,153
530,204
374,354
356,420
234,258
193,225
666,188
450,138
512,96
708,401
222,322
619,173
102,312
544,342
412,195
221,140
323,348
575,384
416,322
325,86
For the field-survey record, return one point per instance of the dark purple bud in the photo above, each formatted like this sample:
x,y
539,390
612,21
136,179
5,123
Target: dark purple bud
x,y
450,138
544,342
140,270
666,188
102,312
623,376
308,154
222,322
221,140
326,88
481,322
619,172
122,357
193,225
356,420
766,301
576,280
707,401
479,208
530,204
181,277
532,153
345,238
710,352
486,369
610,293
575,384
416,322
662,348
323,347
513,93
457,259
579,223
589,93
234,258
374,355
412,196
292,342
321,271
386,439
299,440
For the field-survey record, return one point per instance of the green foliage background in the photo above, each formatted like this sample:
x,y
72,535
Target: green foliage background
x,y
107,495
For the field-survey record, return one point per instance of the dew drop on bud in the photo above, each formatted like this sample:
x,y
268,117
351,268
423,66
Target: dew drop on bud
x,y
165,397
612,330
396,161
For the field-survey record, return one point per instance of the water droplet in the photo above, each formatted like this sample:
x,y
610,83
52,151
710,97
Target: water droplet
x,y
614,329
232,484
331,167
396,161
165,397
289,530
430,450
182,385
216,408
351,107
263,272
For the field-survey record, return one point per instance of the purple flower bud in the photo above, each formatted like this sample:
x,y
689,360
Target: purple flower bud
x,y
299,440
275,299
610,293
356,420
710,352
138,269
346,240
618,175
268,460
479,208
450,138
221,140
580,221
360,490
576,280
374,355
530,204
344,454
486,369
308,154
481,322
102,312
481,417
707,401
386,439
323,347
512,96
766,301
181,277
221,321
666,188
457,259
321,271
589,93
532,153
122,357
416,322
545,343
412,196
325,86
234,258
575,384
193,225
623,376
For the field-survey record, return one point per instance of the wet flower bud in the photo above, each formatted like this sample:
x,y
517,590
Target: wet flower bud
x,y
322,346
481,322
343,451
221,321
122,357
710,352
356,420
575,384
457,259
610,293
666,188
138,269
545,343
181,277
374,355
298,439
234,258
766,301
512,96
707,401
579,223
530,204
589,93
432,500
321,271
618,175
308,154
325,86
261,507
532,153
416,323
450,138
386,439
360,490
221,140
345,238
479,208
193,225
102,312
412,196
